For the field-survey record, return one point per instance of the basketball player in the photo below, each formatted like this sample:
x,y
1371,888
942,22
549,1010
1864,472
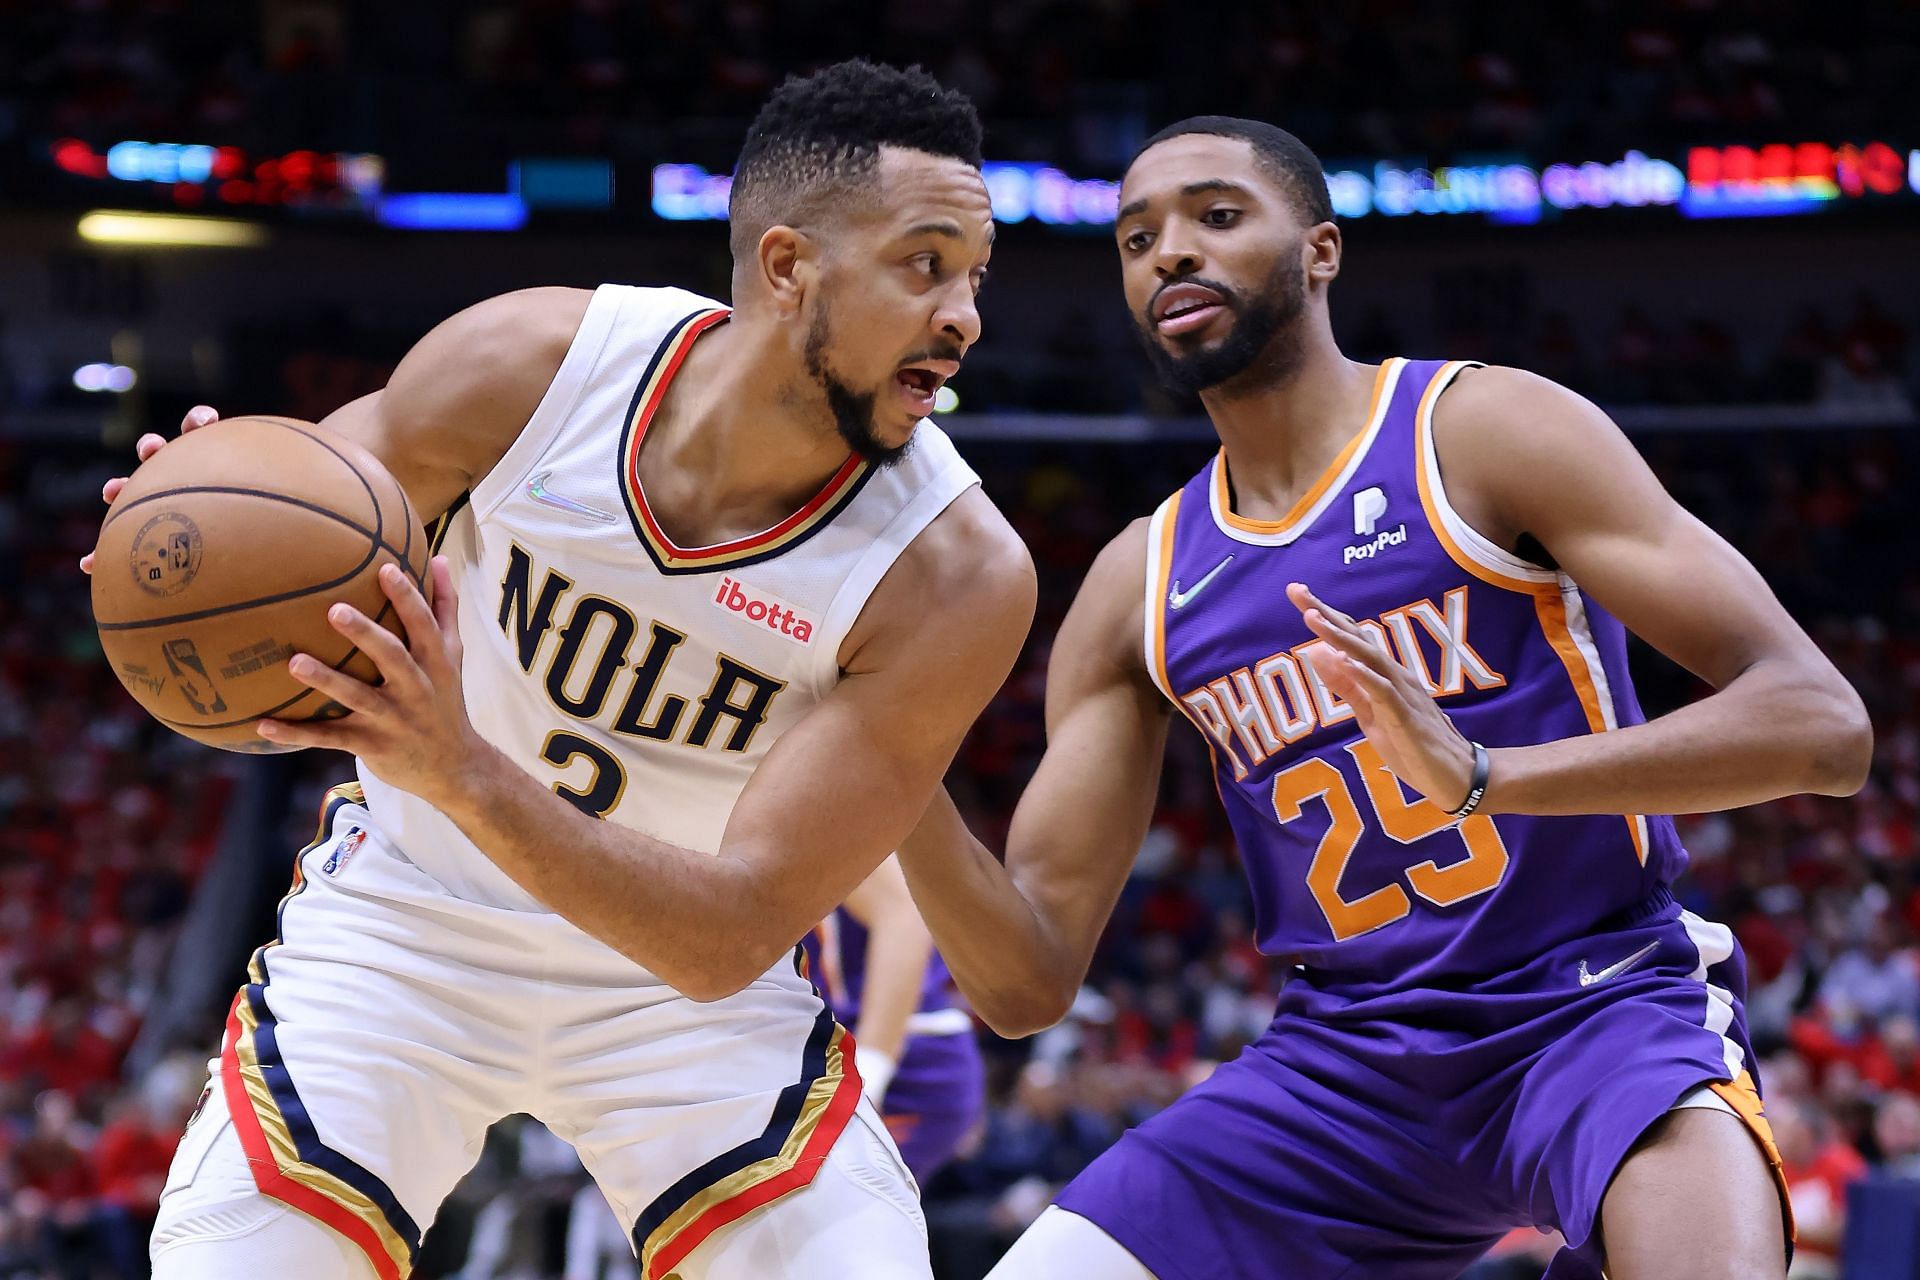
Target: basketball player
x,y
1395,605
718,583
874,961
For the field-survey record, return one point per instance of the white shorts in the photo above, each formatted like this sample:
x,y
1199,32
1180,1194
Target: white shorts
x,y
390,1024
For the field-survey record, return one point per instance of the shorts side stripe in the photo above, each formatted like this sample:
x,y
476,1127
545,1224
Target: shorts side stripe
x,y
284,1152
807,1119
1744,1098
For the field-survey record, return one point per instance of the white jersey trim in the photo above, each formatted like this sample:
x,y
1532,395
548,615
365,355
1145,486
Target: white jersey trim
x,y
1389,383
1475,545
1152,619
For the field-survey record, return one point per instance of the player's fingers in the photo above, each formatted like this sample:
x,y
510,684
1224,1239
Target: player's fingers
x,y
1350,640
148,445
333,734
198,416
1343,678
425,643
396,665
1303,598
446,607
111,489
351,693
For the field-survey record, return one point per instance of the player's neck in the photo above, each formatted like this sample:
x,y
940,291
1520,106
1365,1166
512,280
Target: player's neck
x,y
726,455
1281,436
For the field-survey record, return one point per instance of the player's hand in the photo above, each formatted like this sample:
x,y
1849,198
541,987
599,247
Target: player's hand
x,y
412,728
145,447
1400,718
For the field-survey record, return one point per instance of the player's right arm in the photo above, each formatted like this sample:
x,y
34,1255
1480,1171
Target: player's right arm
x,y
1018,936
455,403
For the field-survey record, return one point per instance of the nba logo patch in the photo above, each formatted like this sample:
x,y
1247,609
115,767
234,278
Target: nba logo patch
x,y
343,851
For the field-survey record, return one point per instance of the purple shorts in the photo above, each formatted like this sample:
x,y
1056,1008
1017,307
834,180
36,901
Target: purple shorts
x,y
1400,1135
935,1100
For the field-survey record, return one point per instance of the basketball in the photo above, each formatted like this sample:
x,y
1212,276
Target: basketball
x,y
220,559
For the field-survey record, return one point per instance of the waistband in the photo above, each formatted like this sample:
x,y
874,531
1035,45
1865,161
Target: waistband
x,y
1658,904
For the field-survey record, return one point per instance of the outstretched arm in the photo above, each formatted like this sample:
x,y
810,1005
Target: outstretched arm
x,y
1019,937
1522,456
899,948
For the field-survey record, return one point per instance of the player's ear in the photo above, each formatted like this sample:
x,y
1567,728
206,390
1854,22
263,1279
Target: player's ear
x,y
1320,248
786,259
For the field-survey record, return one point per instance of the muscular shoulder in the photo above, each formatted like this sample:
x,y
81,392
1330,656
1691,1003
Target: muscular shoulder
x,y
466,389
1110,610
967,579
1514,447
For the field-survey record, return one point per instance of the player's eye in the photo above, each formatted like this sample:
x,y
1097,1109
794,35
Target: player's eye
x,y
1220,217
927,264
979,281
1137,241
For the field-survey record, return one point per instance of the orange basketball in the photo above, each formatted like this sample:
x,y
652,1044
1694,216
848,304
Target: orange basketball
x,y
219,561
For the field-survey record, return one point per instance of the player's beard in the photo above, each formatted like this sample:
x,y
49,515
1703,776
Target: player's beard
x,y
1262,348
852,410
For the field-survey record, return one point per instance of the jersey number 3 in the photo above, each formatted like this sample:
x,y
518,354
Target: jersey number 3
x,y
1403,820
607,782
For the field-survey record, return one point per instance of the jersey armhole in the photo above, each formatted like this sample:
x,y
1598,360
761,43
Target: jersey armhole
x,y
1154,608
1468,547
556,405
939,493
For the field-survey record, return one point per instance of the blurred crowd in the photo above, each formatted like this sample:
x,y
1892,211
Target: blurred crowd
x,y
1066,80
106,821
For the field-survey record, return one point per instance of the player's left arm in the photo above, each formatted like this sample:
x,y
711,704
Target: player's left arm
x,y
899,947
832,798
1526,462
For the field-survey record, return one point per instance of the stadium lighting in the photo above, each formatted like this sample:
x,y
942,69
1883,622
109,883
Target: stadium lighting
x,y
169,230
104,377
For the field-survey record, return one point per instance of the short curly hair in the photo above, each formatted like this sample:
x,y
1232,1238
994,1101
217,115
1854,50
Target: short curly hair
x,y
818,136
1280,155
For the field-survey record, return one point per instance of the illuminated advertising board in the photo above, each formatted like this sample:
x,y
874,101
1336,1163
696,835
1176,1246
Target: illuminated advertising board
x,y
1708,182
199,173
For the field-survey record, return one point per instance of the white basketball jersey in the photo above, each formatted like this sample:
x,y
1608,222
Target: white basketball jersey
x,y
643,680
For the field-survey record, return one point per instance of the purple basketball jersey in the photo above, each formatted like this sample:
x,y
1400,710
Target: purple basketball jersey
x,y
1352,873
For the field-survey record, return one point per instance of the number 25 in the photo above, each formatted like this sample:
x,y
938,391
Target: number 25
x,y
1405,821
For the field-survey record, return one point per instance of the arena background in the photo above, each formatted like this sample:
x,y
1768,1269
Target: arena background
x,y
1701,213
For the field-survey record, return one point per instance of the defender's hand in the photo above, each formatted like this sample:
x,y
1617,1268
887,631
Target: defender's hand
x,y
1400,718
412,728
148,445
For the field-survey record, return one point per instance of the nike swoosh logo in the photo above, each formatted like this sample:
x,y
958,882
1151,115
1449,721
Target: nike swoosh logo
x,y
1617,968
538,491
1178,598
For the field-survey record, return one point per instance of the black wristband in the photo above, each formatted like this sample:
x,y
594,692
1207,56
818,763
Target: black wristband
x,y
1477,787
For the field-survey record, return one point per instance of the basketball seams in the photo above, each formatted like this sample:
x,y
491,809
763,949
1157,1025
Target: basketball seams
x,y
350,655
257,471
375,546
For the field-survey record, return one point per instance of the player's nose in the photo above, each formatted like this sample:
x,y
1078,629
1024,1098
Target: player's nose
x,y
1174,254
958,316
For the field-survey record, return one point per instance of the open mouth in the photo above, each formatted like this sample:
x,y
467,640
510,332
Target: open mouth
x,y
1183,308
920,383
